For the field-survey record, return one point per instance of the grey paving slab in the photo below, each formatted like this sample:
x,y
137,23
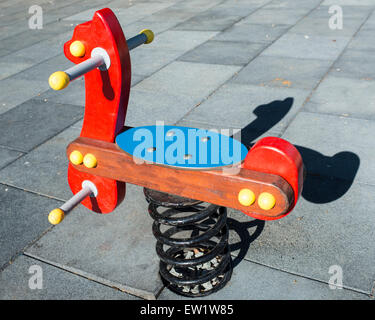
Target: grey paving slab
x,y
13,29
319,26
43,70
77,6
363,40
174,14
251,281
57,284
283,72
23,220
85,15
42,50
33,122
120,4
30,37
333,97
196,6
301,46
156,25
120,253
349,3
185,79
136,78
345,140
231,53
331,225
74,94
291,4
18,91
356,64
8,155
43,170
139,11
55,11
212,19
239,105
349,12
156,59
4,52
253,33
236,8
145,108
33,55
275,16
168,47
181,40
124,15
9,68
247,135
370,22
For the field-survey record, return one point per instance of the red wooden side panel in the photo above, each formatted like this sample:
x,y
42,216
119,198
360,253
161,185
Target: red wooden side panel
x,y
277,156
107,95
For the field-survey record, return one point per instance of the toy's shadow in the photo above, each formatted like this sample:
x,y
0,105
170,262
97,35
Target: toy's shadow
x,y
328,178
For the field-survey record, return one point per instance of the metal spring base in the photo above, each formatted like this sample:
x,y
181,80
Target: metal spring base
x,y
192,243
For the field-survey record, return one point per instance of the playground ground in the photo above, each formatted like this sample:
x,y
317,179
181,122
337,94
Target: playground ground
x,y
266,67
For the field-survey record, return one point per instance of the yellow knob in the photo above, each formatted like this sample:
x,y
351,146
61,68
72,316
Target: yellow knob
x,y
56,216
266,201
246,197
58,80
77,49
76,157
149,34
90,161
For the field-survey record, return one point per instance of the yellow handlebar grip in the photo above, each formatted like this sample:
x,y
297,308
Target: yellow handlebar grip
x,y
58,80
149,34
56,216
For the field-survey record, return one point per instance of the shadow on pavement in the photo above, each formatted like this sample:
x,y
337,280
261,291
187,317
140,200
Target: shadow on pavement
x,y
328,178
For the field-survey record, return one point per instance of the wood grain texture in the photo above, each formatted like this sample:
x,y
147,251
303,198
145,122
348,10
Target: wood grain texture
x,y
213,186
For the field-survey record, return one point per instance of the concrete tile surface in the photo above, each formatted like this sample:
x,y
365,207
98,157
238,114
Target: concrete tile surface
x,y
7,156
191,80
19,91
23,220
57,284
249,280
120,253
267,67
271,16
231,52
334,135
313,26
210,20
260,33
325,229
296,45
43,170
262,108
333,97
283,72
354,63
33,122
145,107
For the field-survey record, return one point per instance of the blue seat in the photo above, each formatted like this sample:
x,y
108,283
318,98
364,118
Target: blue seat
x,y
181,147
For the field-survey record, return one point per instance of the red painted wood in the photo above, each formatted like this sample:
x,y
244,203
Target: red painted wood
x,y
214,186
277,156
107,95
110,192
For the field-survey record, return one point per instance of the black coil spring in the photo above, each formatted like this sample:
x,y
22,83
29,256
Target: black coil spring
x,y
193,247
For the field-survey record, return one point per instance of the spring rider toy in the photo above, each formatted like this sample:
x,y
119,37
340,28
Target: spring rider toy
x,y
180,168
